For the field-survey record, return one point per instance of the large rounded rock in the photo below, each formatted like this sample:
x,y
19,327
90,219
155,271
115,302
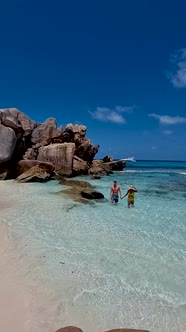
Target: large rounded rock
x,y
7,143
60,155
22,119
46,132
9,120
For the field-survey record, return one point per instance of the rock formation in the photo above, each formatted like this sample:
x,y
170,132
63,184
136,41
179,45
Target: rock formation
x,y
70,151
7,143
25,165
77,329
35,174
70,329
45,133
60,155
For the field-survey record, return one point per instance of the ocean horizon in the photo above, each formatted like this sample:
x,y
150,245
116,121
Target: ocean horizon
x,y
105,265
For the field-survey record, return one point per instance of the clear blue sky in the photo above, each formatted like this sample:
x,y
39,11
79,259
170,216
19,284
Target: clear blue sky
x,y
117,66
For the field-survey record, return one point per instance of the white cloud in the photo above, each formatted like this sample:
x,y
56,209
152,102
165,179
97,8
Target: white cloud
x,y
124,109
167,132
168,120
111,115
177,75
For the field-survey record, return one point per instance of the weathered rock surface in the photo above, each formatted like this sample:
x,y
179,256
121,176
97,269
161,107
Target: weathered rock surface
x,y
70,329
7,143
107,159
79,132
79,166
3,175
127,330
36,173
25,165
77,329
117,165
99,168
86,151
31,154
9,120
19,118
84,148
60,155
104,168
46,132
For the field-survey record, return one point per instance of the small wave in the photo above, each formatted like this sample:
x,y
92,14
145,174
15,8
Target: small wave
x,y
149,171
154,171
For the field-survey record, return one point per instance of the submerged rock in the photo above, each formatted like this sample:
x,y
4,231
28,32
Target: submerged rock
x,y
89,194
76,184
76,193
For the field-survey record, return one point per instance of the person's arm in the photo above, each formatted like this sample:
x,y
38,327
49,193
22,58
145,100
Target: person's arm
x,y
111,193
119,190
124,195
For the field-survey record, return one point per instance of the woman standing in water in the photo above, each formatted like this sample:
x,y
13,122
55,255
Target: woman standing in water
x,y
130,193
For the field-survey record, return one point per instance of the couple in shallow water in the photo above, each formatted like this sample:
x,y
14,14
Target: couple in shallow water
x,y
115,191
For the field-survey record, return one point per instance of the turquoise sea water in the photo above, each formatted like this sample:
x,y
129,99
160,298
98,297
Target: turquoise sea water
x,y
109,266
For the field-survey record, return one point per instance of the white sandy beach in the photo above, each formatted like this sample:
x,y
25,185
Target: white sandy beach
x,y
25,305
14,294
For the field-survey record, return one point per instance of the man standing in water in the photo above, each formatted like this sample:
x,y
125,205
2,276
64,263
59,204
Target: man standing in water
x,y
115,191
130,193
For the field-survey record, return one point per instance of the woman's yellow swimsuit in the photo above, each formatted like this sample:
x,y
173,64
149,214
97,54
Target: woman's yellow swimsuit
x,y
131,196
